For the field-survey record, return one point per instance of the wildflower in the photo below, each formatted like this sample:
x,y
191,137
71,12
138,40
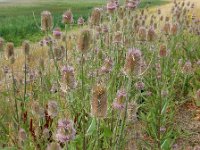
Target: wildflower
x,y
119,102
80,21
54,146
65,131
9,50
139,85
68,78
84,40
95,17
22,135
57,33
107,66
46,21
52,109
132,4
26,47
99,101
67,17
111,6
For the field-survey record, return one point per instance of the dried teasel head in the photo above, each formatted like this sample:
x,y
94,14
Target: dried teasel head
x,y
46,21
133,62
9,51
67,17
26,47
166,28
95,17
151,34
142,33
163,51
99,101
117,37
174,29
84,40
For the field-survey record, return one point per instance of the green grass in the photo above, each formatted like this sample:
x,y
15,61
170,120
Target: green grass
x,y
17,22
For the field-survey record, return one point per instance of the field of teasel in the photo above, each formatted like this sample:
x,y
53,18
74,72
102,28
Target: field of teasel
x,y
127,80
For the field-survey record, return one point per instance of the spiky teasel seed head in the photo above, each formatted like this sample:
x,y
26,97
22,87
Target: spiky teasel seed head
x,y
132,4
133,62
187,67
139,85
132,112
95,17
68,78
9,51
52,109
26,47
22,135
119,102
151,35
1,43
59,52
111,6
107,66
67,17
174,29
57,33
46,21
117,37
166,28
65,131
163,51
142,33
84,40
80,21
121,12
99,101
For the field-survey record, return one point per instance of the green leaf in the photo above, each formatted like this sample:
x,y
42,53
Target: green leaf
x,y
92,128
166,144
107,132
164,108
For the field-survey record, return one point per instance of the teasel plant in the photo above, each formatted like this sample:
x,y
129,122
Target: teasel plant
x,y
9,54
26,51
84,40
